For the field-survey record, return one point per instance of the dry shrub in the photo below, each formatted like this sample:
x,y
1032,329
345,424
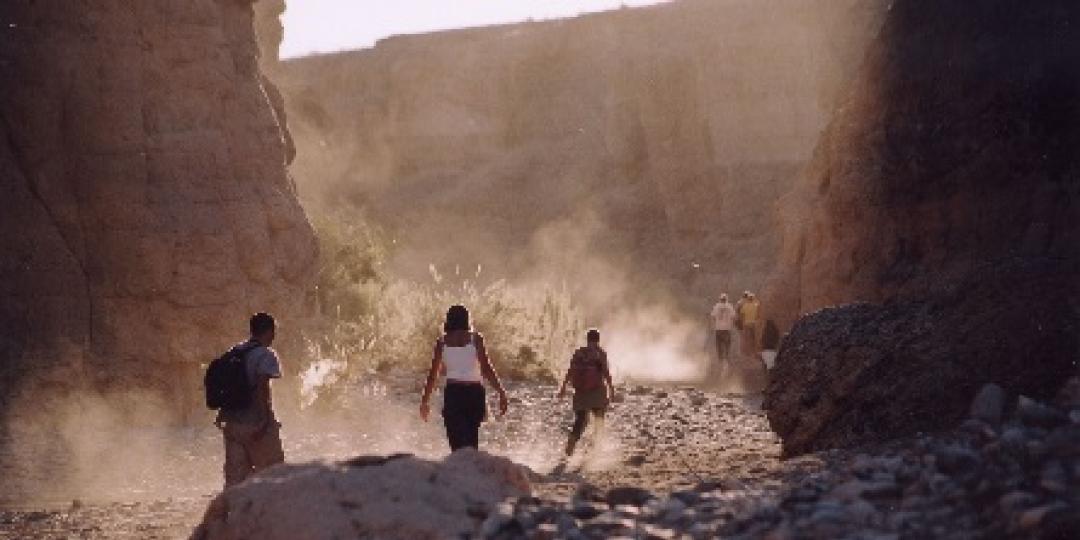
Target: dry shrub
x,y
371,321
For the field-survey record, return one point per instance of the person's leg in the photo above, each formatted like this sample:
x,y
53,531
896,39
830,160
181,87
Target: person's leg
x,y
477,411
719,346
266,450
745,339
456,430
237,465
472,435
452,417
753,339
581,420
598,417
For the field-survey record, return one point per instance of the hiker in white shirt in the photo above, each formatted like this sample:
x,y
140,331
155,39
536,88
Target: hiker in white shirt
x,y
723,316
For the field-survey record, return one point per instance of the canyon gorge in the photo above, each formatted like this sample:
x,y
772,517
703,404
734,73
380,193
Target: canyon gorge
x,y
898,179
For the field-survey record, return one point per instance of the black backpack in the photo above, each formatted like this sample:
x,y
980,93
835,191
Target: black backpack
x,y
226,381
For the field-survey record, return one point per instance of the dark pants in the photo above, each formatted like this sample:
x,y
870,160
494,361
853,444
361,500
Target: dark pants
x,y
723,344
464,406
581,421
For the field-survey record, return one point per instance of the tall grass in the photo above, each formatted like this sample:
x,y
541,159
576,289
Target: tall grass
x,y
371,320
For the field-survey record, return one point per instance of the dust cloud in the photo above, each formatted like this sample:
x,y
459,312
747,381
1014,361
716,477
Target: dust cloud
x,y
596,155
638,179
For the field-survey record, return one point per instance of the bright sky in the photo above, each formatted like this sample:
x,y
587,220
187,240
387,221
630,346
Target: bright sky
x,y
332,25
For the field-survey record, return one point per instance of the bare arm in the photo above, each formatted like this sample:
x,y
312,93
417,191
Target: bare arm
x,y
565,382
429,385
488,372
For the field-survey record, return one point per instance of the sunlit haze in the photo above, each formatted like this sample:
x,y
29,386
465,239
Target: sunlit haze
x,y
313,26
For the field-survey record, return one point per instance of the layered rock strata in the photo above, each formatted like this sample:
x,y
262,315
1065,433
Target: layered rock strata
x,y
147,209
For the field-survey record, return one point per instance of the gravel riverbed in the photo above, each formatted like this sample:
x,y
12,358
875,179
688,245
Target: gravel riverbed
x,y
670,462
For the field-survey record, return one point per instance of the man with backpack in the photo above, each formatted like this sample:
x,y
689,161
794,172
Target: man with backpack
x,y
593,389
238,386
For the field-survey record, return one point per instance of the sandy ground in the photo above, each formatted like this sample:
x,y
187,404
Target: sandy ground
x,y
154,483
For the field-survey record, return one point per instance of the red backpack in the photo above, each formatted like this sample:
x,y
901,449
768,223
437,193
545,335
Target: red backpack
x,y
587,369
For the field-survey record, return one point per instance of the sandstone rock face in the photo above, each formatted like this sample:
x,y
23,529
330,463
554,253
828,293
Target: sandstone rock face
x,y
146,205
864,373
955,145
659,136
404,498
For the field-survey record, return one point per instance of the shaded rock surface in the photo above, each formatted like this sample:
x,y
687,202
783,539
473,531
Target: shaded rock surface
x,y
661,135
146,201
864,373
399,498
945,187
953,146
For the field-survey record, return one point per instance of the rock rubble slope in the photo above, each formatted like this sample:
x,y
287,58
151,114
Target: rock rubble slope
x,y
866,373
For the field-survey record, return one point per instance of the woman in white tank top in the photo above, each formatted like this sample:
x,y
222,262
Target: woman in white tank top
x,y
460,355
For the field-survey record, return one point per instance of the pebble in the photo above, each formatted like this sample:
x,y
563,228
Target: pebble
x,y
1031,518
1036,414
989,404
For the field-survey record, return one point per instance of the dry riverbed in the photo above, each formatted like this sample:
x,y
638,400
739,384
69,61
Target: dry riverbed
x,y
659,438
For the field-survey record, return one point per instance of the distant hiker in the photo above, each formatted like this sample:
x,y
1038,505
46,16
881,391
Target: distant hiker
x,y
723,316
748,312
460,354
238,386
590,376
739,309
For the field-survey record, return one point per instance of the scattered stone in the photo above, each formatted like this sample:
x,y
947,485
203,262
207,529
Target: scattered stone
x,y
989,404
1036,414
629,496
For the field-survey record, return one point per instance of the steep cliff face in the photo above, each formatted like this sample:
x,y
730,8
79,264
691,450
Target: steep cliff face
x,y
946,190
670,129
955,146
146,205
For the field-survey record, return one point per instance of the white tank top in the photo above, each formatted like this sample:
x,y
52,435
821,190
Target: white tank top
x,y
462,363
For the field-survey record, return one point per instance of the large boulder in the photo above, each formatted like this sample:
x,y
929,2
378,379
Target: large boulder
x,y
401,497
863,372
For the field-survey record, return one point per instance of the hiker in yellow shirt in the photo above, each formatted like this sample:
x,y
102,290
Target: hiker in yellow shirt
x,y
748,312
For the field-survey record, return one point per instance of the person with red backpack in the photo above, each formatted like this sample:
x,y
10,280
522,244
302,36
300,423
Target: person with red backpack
x,y
593,390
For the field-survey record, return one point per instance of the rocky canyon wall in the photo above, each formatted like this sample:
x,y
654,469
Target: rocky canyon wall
x,y
954,147
945,192
146,206
659,137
